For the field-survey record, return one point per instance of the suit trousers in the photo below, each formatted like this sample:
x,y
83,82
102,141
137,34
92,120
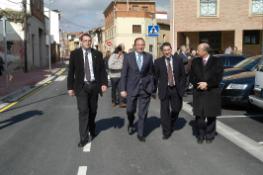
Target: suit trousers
x,y
143,100
87,101
206,127
170,109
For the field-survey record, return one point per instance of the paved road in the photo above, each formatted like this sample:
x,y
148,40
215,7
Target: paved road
x,y
39,136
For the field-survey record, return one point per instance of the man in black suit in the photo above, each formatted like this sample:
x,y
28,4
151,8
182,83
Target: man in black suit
x,y
205,75
170,76
87,78
137,84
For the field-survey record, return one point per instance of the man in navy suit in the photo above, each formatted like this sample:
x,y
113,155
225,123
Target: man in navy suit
x,y
170,76
137,85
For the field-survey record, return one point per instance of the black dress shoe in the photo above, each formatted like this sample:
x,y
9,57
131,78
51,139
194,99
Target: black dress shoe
x,y
141,138
200,140
131,130
209,141
166,137
81,144
93,136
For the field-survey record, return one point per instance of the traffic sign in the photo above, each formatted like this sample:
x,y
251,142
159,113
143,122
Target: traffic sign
x,y
153,30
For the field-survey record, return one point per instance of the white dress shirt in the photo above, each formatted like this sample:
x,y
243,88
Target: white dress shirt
x,y
206,59
92,77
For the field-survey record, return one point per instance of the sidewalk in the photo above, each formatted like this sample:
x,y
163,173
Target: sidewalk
x,y
21,79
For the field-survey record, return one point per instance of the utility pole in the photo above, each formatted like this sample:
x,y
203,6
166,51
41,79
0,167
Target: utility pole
x,y
49,37
25,36
127,5
4,19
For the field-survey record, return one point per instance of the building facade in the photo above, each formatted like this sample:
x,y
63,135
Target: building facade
x,y
27,15
127,20
221,23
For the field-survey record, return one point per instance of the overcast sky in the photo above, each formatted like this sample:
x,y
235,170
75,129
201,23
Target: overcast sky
x,y
81,15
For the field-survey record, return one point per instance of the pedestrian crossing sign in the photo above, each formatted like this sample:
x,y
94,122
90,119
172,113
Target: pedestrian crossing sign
x,y
153,30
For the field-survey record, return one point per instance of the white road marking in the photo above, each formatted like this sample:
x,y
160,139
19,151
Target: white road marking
x,y
240,116
2,105
242,141
82,170
87,148
261,143
61,78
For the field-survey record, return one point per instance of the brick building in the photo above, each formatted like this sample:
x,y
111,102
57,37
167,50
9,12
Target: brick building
x,y
222,23
126,20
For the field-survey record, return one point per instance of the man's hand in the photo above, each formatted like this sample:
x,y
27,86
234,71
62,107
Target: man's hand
x,y
124,94
71,93
104,88
202,86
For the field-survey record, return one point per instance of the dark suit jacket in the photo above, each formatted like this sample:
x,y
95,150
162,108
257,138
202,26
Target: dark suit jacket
x,y
76,72
161,75
207,103
132,79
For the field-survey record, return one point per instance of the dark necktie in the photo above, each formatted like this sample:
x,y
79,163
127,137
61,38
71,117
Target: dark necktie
x,y
170,73
87,68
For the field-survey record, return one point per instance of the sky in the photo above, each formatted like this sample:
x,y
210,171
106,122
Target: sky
x,y
82,15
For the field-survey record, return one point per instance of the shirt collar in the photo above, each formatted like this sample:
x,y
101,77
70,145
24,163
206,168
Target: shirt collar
x,y
84,50
206,58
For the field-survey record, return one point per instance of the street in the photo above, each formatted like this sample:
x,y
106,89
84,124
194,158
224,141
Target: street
x,y
39,136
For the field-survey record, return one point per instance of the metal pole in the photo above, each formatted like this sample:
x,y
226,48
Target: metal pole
x,y
5,51
49,37
127,5
25,36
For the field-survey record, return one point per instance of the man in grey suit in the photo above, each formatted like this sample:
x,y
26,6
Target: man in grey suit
x,y
137,85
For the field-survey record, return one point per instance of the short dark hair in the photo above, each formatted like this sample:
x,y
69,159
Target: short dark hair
x,y
118,49
84,34
165,44
138,39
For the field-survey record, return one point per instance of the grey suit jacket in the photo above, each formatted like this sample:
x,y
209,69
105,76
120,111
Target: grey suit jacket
x,y
132,79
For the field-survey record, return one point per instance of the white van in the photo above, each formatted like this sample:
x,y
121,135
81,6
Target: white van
x,y
257,98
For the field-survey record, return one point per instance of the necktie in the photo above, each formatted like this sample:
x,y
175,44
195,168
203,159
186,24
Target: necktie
x,y
87,68
139,61
170,73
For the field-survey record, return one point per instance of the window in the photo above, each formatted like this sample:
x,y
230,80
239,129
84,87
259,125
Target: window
x,y
151,48
136,29
208,7
251,37
145,8
257,7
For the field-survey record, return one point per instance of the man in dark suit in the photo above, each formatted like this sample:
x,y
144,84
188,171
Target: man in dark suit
x,y
205,75
137,84
170,76
87,79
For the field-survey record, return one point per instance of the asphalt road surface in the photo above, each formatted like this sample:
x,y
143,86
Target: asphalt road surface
x,y
39,136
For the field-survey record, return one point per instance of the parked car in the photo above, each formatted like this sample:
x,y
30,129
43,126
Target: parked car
x,y
236,88
230,61
257,98
249,64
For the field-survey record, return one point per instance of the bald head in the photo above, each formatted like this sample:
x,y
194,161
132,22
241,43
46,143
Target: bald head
x,y
203,50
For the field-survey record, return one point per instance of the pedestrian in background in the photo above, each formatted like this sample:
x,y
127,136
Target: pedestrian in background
x,y
1,66
137,85
170,77
87,78
206,75
106,60
115,65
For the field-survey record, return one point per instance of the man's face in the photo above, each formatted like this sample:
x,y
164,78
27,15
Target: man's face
x,y
86,42
167,51
139,46
201,52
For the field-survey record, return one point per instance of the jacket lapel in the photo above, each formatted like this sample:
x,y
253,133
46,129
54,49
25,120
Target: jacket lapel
x,y
94,59
144,61
164,65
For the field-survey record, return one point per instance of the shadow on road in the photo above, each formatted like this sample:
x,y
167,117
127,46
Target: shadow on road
x,y
115,122
34,102
19,118
151,124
